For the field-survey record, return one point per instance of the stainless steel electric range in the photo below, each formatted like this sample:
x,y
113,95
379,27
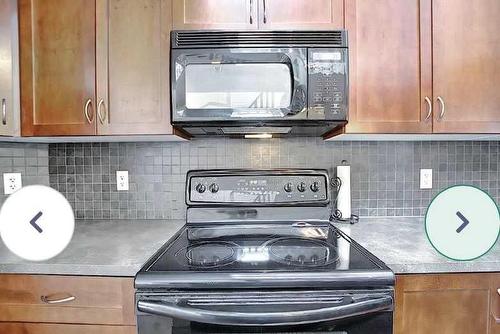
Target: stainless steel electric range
x,y
258,254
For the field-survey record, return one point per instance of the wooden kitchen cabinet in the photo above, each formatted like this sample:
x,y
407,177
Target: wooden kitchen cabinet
x,y
214,14
446,303
9,69
466,63
66,304
390,67
258,14
90,300
133,59
301,14
409,57
57,65
27,328
495,302
95,67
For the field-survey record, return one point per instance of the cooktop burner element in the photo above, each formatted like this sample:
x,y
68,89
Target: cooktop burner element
x,y
302,252
208,254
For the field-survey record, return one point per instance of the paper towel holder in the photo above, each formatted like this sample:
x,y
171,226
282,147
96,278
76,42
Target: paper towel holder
x,y
336,214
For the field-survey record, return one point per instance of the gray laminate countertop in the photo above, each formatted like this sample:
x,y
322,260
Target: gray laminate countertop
x,y
401,243
100,248
121,247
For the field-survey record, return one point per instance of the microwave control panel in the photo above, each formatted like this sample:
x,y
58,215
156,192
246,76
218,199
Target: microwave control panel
x,y
327,84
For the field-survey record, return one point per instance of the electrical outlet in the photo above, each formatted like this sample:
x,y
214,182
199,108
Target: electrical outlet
x,y
426,179
121,180
11,182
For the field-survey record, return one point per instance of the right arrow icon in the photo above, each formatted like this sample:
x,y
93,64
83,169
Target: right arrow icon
x,y
465,222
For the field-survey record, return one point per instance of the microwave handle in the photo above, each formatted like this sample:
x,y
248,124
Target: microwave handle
x,y
174,310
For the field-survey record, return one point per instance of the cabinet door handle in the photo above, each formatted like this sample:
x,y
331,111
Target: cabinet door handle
x,y
265,14
429,109
49,300
4,111
443,110
251,11
87,112
100,112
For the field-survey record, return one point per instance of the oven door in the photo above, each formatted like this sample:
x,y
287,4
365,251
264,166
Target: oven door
x,y
251,84
320,311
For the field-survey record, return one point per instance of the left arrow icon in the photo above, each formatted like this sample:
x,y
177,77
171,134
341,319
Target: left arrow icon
x,y
34,224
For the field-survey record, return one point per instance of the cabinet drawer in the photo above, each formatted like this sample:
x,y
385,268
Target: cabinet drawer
x,y
67,299
20,328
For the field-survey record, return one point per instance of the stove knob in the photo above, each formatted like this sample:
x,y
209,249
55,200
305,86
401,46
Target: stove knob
x,y
200,188
288,187
315,187
301,187
213,188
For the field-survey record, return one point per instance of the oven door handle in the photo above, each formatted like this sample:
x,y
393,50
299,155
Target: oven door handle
x,y
266,319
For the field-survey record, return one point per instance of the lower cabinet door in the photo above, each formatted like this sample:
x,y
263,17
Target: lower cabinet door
x,y
495,304
444,303
27,328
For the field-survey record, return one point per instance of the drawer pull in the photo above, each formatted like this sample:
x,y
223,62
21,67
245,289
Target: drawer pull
x,y
49,300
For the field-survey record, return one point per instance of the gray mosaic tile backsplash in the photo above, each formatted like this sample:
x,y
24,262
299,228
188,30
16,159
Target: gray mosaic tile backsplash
x,y
31,160
385,175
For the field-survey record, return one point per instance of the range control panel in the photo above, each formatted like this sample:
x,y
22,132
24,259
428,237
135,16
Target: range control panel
x,y
259,188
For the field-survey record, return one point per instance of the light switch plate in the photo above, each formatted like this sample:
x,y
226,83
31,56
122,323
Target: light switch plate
x,y
11,182
121,180
426,179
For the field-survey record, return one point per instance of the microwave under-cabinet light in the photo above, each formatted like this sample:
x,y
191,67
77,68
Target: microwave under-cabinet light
x,y
258,136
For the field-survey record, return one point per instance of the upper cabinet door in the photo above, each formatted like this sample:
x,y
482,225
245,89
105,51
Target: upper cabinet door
x,y
133,66
466,65
215,14
390,66
57,60
9,70
301,14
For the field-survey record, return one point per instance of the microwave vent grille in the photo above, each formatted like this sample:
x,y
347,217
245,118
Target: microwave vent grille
x,y
225,39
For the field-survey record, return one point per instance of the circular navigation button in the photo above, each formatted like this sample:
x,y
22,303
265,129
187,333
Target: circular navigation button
x,y
36,223
462,222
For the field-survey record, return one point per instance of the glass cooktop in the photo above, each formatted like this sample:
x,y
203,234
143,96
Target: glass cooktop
x,y
281,248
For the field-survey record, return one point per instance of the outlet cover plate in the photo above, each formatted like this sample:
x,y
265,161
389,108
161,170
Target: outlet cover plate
x,y
121,180
11,183
426,179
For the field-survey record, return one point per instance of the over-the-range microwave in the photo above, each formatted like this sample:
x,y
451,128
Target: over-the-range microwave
x,y
259,83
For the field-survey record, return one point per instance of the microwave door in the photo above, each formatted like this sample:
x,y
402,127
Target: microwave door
x,y
238,85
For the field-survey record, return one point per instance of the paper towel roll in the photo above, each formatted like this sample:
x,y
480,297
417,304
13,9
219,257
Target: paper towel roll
x,y
344,195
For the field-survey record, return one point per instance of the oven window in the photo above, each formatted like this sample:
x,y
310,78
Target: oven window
x,y
238,86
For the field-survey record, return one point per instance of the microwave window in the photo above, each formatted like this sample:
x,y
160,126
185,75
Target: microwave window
x,y
238,86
